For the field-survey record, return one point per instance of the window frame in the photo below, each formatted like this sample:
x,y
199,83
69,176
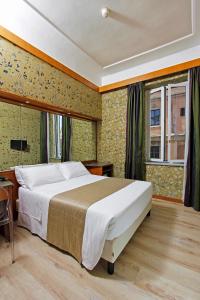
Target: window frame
x,y
162,125
162,109
170,86
57,126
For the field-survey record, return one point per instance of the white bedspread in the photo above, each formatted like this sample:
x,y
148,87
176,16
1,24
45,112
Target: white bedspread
x,y
105,220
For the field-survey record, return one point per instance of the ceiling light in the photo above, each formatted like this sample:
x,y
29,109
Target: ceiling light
x,y
104,12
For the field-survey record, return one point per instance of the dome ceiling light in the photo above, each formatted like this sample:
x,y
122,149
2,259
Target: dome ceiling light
x,y
105,12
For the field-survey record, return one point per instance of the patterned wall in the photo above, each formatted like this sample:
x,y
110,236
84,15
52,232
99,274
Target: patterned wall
x,y
167,181
83,140
112,130
11,118
24,74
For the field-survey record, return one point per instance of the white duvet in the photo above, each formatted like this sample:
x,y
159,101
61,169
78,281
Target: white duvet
x,y
105,219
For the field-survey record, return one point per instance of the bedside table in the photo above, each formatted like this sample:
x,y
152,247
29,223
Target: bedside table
x,y
100,168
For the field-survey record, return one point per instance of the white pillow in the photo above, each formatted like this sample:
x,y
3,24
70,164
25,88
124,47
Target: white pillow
x,y
38,175
73,169
18,174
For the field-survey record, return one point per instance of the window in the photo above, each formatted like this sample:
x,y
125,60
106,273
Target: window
x,y
168,124
155,150
155,117
182,112
55,136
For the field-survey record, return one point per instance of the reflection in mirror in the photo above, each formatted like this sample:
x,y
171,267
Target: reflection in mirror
x,y
55,137
20,137
30,132
83,139
9,130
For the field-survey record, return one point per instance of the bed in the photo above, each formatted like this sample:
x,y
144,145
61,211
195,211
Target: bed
x,y
109,223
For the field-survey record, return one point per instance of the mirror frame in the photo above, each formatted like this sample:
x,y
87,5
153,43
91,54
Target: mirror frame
x,y
23,101
39,105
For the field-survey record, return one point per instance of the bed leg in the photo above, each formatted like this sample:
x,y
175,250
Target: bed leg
x,y
149,214
110,268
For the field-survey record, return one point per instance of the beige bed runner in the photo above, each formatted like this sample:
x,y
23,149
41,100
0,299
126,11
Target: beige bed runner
x,y
67,212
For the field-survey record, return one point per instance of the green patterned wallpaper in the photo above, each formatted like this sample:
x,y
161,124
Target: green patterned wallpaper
x,y
11,118
167,181
24,74
83,140
112,130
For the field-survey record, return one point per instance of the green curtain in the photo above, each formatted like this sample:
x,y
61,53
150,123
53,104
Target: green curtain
x,y
192,186
135,133
43,137
66,138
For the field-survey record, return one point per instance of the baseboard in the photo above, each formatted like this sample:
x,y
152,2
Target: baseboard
x,y
167,198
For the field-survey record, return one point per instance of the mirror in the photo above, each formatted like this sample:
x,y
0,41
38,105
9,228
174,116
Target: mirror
x,y
20,137
83,139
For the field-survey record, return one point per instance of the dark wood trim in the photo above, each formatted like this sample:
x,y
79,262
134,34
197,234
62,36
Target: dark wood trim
x,y
8,35
88,161
167,198
39,105
151,75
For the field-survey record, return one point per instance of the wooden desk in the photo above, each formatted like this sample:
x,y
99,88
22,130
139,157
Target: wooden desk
x,y
10,175
100,168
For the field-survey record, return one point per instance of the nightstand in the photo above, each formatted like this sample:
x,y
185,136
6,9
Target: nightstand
x,y
7,218
100,168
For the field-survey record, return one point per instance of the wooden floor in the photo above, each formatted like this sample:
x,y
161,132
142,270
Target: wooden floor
x,y
162,261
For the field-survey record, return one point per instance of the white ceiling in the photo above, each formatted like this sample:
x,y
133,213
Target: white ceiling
x,y
132,28
138,37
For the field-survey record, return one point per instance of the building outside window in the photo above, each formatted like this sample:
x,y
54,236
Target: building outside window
x,y
155,117
168,123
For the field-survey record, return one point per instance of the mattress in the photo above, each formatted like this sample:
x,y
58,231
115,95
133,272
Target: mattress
x,y
121,208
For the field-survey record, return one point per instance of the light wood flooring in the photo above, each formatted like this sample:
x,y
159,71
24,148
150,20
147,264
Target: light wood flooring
x,y
162,261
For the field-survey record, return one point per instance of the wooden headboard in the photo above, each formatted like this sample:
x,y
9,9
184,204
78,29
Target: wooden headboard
x,y
10,174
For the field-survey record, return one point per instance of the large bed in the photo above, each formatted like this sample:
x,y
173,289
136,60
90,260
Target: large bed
x,y
109,223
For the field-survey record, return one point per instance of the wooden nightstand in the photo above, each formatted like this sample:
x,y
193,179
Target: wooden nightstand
x,y
100,168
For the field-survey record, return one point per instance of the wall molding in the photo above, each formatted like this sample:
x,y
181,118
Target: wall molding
x,y
167,198
8,35
101,89
11,98
151,75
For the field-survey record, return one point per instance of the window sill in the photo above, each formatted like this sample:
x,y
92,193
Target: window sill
x,y
159,163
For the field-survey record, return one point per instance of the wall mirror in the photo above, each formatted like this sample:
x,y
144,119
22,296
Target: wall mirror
x,y
20,136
